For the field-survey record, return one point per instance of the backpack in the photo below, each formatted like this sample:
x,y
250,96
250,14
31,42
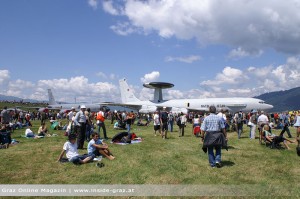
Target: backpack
x,y
100,117
178,121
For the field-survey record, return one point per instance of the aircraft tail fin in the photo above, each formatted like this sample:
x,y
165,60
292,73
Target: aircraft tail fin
x,y
126,93
51,97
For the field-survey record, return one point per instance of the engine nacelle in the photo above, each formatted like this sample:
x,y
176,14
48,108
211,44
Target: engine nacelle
x,y
179,110
148,109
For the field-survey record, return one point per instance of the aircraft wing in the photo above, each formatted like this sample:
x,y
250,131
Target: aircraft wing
x,y
131,106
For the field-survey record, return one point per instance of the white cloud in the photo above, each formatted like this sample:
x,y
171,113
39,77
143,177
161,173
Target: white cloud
x,y
229,75
101,75
109,8
189,59
4,80
247,26
254,81
93,3
124,29
153,76
240,91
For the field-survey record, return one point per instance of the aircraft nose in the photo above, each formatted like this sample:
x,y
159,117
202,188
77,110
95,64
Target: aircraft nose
x,y
270,106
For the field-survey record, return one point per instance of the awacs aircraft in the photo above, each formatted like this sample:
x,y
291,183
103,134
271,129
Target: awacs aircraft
x,y
185,105
65,107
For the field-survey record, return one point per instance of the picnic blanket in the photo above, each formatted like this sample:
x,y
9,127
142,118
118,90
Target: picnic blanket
x,y
135,141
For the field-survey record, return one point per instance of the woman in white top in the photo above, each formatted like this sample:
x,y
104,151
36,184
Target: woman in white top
x,y
196,121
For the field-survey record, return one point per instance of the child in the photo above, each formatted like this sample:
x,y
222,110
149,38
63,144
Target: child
x,y
96,147
71,151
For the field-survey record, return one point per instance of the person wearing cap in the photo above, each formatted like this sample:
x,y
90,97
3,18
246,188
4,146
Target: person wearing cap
x,y
80,123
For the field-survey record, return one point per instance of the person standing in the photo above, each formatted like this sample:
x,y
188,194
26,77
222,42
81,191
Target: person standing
x,y
5,116
80,123
286,123
100,122
238,118
129,120
171,121
213,136
182,124
164,120
156,123
89,129
253,121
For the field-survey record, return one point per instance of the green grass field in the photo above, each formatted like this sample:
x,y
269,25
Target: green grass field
x,y
155,161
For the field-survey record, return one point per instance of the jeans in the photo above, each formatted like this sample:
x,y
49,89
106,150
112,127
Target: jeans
x,y
170,126
213,158
239,130
252,131
286,129
76,159
88,132
128,126
81,135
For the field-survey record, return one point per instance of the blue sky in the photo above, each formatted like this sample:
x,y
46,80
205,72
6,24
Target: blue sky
x,y
207,48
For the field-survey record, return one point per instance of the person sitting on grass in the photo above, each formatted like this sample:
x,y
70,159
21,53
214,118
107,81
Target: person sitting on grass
x,y
29,133
140,123
71,151
43,130
96,147
272,138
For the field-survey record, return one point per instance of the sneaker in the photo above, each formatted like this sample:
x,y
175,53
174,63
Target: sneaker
x,y
100,165
218,164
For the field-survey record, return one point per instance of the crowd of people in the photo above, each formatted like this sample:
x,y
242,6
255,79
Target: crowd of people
x,y
88,126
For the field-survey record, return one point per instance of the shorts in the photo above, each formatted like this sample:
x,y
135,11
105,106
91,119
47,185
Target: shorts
x,y
165,127
156,127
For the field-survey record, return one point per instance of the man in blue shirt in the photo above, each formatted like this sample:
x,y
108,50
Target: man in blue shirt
x,y
285,122
97,147
213,136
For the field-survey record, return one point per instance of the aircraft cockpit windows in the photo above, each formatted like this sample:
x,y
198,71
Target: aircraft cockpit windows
x,y
261,102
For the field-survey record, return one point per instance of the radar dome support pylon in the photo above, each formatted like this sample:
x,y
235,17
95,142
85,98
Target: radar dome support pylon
x,y
158,86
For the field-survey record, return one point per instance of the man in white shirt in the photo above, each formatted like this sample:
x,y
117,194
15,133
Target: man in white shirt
x,y
71,151
156,122
262,119
80,123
